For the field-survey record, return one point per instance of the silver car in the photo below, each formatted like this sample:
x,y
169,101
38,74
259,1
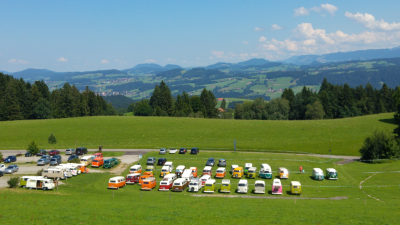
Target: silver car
x,y
163,151
11,169
43,162
54,162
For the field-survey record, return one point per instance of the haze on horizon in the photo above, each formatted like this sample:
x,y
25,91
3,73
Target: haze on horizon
x,y
96,35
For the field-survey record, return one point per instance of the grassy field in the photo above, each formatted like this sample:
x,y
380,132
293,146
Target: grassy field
x,y
342,136
93,203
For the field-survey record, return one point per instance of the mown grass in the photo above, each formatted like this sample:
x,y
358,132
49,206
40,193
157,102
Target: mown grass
x,y
129,205
342,136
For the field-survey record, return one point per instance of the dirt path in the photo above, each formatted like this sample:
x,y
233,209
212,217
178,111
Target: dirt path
x,y
268,197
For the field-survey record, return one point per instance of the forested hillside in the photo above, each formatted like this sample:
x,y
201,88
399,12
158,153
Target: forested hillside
x,y
23,100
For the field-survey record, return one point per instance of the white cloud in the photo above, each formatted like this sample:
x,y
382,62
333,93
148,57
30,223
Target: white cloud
x,y
331,9
62,59
254,54
262,39
184,61
301,12
104,61
370,22
245,42
258,29
18,61
150,61
218,54
243,55
275,27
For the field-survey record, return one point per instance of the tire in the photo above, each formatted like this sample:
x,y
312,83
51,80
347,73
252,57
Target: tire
x,y
24,186
44,189
117,188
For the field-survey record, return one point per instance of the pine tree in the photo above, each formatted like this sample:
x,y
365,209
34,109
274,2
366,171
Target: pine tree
x,y
223,104
52,140
9,108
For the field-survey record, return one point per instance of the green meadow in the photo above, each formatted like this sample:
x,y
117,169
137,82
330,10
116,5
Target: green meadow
x,y
342,136
85,199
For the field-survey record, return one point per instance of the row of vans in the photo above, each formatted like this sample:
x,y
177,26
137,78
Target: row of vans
x,y
318,174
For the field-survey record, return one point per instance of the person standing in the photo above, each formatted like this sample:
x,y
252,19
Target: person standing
x,y
65,175
301,169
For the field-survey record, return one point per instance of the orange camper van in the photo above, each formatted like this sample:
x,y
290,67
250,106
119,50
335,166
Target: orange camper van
x,y
116,182
194,171
148,184
98,162
143,177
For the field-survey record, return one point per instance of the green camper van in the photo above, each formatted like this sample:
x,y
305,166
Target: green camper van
x,y
110,163
331,174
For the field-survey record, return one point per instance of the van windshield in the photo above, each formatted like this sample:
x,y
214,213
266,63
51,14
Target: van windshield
x,y
149,170
177,170
177,184
146,182
164,170
95,160
209,185
193,184
242,185
206,171
220,171
332,173
112,181
259,185
164,183
83,160
225,185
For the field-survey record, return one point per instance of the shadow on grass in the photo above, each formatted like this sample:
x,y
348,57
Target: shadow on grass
x,y
389,121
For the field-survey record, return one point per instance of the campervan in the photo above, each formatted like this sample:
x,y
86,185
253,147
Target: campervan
x,y
170,176
179,184
148,184
233,168
265,171
74,171
149,170
25,179
204,179
317,174
243,186
259,187
238,172
252,172
195,185
225,186
276,187
80,167
295,187
54,173
40,183
135,169
97,162
283,173
143,177
210,186
194,171
179,170
247,167
132,178
207,171
220,173
116,182
187,174
331,174
86,160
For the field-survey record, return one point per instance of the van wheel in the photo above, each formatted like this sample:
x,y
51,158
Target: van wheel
x,y
24,186
44,189
117,188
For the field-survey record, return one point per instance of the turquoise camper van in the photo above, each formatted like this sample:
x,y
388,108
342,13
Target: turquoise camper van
x,y
317,174
265,171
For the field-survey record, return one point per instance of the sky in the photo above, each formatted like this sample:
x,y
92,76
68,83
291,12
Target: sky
x,y
96,35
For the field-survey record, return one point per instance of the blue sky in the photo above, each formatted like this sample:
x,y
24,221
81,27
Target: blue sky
x,y
94,35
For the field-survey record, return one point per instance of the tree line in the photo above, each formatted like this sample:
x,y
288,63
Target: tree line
x,y
332,101
22,100
161,103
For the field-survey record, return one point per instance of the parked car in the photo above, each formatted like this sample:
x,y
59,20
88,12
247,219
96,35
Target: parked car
x,y
28,154
194,151
210,186
41,152
246,167
173,151
182,151
225,186
220,173
2,167
11,169
148,184
151,161
81,151
161,161
132,178
11,158
109,163
97,162
1,173
222,162
43,162
163,151
54,152
70,151
72,157
210,162
55,161
243,186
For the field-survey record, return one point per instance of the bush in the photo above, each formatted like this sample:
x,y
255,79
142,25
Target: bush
x,y
380,145
13,182
1,157
75,160
39,172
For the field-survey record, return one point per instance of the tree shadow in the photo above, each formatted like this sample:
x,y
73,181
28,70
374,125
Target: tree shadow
x,y
389,121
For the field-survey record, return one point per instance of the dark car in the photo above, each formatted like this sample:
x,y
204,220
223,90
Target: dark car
x,y
194,151
81,151
54,152
222,162
28,154
55,161
11,158
182,151
151,161
1,173
41,152
72,157
161,161
210,162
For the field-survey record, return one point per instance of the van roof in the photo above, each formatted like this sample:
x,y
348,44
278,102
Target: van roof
x,y
31,177
180,180
193,168
221,168
170,175
136,166
118,177
211,181
331,170
168,163
253,168
282,168
249,164
226,181
239,167
260,182
243,181
133,174
208,168
149,179
296,183
277,182
317,170
205,177
181,167
234,166
86,157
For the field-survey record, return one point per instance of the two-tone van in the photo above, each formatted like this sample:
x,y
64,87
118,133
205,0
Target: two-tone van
x,y
317,174
283,173
132,178
116,182
204,179
25,179
265,171
179,184
148,184
40,183
179,170
220,173
53,173
86,160
207,171
331,174
165,185
135,169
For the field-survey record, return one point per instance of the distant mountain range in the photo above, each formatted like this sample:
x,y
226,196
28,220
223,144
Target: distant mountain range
x,y
344,56
150,67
